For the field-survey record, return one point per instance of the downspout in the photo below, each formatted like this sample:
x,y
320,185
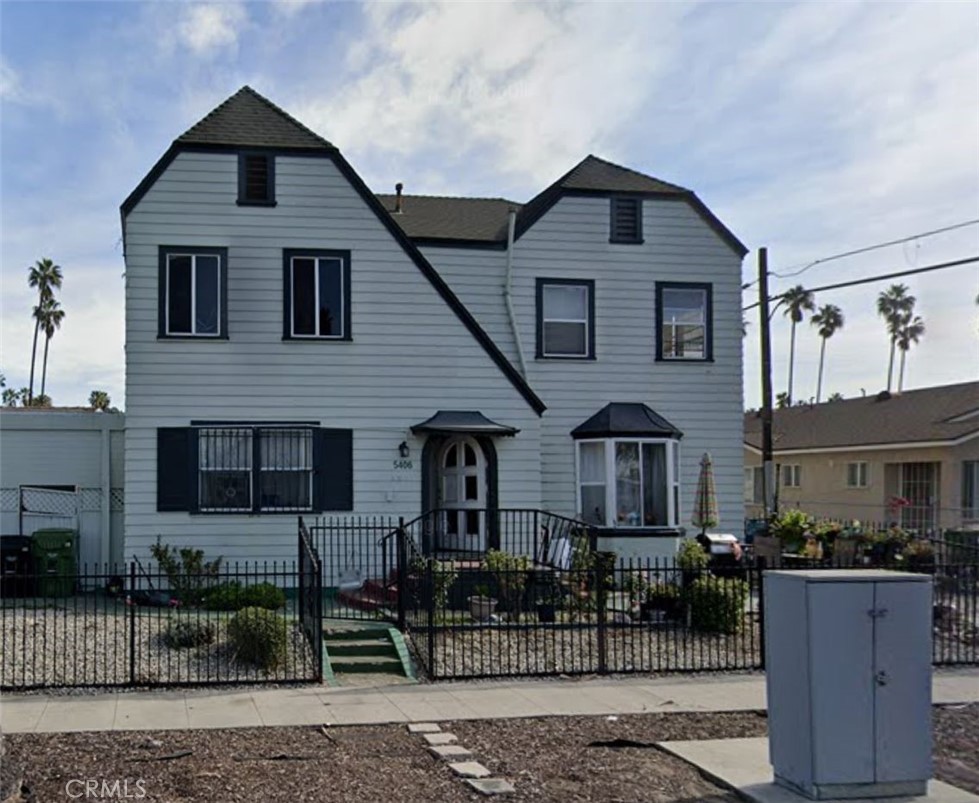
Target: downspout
x,y
106,478
507,294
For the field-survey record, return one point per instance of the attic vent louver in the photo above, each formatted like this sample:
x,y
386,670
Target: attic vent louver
x,y
626,220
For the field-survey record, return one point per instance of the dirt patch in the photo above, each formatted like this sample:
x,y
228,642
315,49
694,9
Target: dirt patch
x,y
549,759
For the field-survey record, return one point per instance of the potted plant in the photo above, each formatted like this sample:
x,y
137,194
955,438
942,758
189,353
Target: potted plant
x,y
664,597
919,556
635,585
692,559
511,573
548,601
791,528
481,605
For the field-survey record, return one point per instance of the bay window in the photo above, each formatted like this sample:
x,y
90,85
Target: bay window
x,y
629,482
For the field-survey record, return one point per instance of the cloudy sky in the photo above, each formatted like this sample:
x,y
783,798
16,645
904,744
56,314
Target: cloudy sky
x,y
813,129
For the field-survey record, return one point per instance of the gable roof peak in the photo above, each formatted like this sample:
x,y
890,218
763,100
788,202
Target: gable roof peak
x,y
249,119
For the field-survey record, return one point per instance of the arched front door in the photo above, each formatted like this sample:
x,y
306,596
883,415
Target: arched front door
x,y
462,495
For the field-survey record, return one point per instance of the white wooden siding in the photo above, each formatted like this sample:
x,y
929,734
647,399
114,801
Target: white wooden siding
x,y
704,400
410,354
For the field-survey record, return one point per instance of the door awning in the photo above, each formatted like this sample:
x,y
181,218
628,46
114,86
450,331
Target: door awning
x,y
462,422
626,418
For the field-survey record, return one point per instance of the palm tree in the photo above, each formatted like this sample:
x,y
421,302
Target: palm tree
x,y
46,277
797,300
910,334
782,400
99,400
51,317
895,306
829,319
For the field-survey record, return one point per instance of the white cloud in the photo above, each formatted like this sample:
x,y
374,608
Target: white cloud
x,y
537,86
207,28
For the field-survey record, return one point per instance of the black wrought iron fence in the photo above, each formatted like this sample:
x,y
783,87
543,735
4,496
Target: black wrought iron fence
x,y
599,616
111,626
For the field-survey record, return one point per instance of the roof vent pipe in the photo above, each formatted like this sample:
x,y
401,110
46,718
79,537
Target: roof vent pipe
x,y
398,207
507,300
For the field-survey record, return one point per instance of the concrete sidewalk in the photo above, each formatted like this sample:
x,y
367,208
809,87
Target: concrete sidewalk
x,y
313,705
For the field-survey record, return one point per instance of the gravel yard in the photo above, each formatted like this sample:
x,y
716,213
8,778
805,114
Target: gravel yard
x,y
515,650
79,647
553,759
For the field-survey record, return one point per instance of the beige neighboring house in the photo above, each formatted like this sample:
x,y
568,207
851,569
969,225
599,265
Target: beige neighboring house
x,y
855,459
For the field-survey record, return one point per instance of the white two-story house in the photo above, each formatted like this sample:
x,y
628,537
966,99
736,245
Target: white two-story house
x,y
296,344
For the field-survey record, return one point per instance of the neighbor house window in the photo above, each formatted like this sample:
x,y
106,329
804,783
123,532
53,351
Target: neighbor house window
x,y
856,475
754,479
256,179
317,295
193,292
626,220
565,318
970,489
235,477
685,324
628,482
791,476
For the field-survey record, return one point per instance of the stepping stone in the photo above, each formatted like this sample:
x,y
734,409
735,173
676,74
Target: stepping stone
x,y
469,769
450,751
423,727
490,786
439,738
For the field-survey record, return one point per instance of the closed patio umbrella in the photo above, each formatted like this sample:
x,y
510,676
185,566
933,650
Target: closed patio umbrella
x,y
705,502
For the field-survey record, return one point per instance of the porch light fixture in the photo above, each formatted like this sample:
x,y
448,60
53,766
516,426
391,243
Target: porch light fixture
x,y
403,449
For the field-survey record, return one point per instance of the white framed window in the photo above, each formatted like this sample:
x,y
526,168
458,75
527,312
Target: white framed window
x,y
791,476
236,477
685,321
565,318
856,475
192,287
317,296
753,485
629,482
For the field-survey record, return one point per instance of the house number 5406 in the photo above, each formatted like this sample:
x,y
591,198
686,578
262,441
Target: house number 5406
x,y
403,464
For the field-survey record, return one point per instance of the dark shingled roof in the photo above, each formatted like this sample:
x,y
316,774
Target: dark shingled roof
x,y
248,120
484,220
626,418
469,421
915,416
430,217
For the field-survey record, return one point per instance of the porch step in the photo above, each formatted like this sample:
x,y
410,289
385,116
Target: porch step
x,y
361,647
367,663
358,648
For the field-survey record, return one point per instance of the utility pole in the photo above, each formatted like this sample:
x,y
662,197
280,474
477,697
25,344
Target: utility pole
x,y
768,473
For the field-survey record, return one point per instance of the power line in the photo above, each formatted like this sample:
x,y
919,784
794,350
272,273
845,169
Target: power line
x,y
864,250
878,278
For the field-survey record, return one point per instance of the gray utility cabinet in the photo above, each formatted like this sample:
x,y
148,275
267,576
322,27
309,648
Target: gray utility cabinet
x,y
848,662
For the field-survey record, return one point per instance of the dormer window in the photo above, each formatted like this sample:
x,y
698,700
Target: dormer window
x,y
256,179
626,221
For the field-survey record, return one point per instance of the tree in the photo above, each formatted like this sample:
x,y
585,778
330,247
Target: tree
x,y
829,320
895,306
51,317
836,397
46,277
782,400
797,301
909,334
99,400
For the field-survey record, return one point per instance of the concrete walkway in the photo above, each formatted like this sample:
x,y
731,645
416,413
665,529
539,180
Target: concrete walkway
x,y
316,705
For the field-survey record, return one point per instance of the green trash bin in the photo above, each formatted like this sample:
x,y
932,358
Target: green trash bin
x,y
54,561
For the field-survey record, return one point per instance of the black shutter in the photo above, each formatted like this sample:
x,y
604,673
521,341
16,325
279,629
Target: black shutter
x,y
173,469
333,469
626,224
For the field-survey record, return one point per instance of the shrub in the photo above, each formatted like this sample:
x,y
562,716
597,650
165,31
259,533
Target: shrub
x,y
691,555
234,597
186,570
511,574
188,633
259,637
716,604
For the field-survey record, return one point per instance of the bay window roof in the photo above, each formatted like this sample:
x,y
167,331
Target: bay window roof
x,y
626,419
